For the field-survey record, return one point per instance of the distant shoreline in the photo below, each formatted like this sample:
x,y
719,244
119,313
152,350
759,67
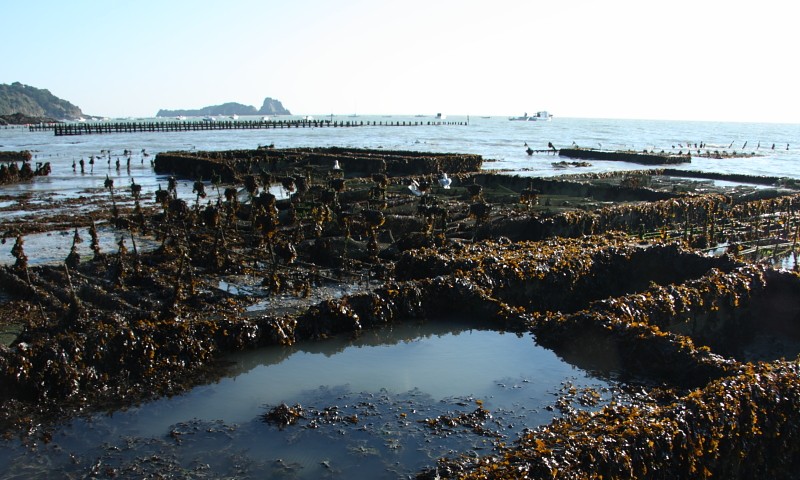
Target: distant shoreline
x,y
20,119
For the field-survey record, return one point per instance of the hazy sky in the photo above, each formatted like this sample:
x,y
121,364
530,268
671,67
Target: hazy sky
x,y
724,60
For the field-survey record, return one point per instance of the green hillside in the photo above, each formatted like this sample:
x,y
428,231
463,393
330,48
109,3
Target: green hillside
x,y
35,102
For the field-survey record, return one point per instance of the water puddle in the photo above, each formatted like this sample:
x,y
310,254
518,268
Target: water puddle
x,y
53,247
384,405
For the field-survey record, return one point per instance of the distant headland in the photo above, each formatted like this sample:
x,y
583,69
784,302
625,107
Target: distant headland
x,y
25,104
22,104
269,107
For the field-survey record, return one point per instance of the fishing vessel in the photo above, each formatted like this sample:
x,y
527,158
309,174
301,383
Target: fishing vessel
x,y
542,116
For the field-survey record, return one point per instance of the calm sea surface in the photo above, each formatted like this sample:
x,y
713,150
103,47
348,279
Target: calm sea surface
x,y
499,140
391,379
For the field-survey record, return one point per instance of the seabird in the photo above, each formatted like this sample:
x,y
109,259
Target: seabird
x,y
445,181
336,165
414,187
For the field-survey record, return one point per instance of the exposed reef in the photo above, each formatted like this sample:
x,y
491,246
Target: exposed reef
x,y
645,157
643,276
232,166
650,157
10,172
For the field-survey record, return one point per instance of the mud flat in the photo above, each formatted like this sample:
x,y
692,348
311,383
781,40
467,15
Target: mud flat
x,y
670,289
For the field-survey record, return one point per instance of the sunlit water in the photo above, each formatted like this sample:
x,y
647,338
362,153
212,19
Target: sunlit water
x,y
497,139
392,379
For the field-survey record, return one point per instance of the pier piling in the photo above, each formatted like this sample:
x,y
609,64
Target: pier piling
x,y
89,128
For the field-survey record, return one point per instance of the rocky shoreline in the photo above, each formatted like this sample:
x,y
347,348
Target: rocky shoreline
x,y
20,119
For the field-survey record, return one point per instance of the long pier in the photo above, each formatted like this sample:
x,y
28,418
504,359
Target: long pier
x,y
89,128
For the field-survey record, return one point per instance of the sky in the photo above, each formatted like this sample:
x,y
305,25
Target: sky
x,y
718,60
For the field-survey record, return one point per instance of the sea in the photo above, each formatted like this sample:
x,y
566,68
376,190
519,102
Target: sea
x,y
501,142
393,381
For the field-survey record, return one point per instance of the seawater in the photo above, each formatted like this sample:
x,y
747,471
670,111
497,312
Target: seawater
x,y
500,141
393,380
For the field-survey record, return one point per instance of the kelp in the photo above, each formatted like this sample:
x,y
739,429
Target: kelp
x,y
741,426
626,290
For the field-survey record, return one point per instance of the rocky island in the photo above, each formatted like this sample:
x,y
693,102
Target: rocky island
x,y
269,107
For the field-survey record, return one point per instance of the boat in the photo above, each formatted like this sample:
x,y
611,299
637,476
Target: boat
x,y
541,116
209,119
440,116
181,118
234,117
265,118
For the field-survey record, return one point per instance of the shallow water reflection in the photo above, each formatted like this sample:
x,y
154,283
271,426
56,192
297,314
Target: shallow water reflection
x,y
372,395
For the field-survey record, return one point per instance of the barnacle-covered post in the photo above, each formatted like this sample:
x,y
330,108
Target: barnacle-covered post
x,y
172,186
292,219
178,292
288,184
301,186
687,223
757,233
199,188
210,216
529,197
338,186
95,241
480,212
251,185
162,198
136,192
266,220
76,306
321,214
109,184
377,194
429,211
475,191
18,252
231,205
73,260
121,267
374,219
216,181
266,179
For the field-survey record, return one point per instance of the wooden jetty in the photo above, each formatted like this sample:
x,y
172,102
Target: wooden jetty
x,y
88,128
646,158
